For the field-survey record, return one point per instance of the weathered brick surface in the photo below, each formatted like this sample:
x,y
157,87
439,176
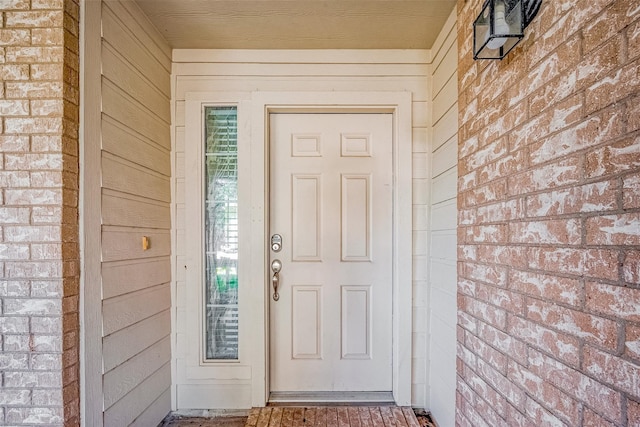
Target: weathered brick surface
x,y
549,221
38,212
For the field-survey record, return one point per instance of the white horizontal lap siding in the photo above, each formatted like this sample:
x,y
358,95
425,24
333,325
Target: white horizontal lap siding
x,y
135,202
207,71
442,228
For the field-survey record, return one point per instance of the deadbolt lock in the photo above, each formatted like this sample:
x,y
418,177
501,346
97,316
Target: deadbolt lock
x,y
276,243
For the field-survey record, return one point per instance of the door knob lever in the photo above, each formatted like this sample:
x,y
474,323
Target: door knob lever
x,y
276,266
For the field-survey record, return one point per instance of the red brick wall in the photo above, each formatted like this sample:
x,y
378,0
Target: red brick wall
x,y
39,256
549,223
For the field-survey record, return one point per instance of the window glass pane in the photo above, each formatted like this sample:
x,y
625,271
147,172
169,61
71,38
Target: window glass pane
x,y
221,232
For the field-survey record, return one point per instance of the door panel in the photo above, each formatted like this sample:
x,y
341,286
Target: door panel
x,y
331,201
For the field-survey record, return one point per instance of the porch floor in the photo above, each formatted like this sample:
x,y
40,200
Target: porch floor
x,y
332,416
322,416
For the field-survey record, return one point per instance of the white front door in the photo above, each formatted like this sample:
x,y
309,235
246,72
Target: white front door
x,y
331,202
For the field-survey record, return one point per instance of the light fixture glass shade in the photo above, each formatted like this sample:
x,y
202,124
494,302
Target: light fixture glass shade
x,y
498,29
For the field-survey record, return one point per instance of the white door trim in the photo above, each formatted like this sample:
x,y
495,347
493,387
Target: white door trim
x,y
397,103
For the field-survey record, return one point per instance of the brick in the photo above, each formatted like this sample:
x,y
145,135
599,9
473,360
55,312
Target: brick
x,y
46,362
632,342
15,397
631,191
599,397
500,382
14,4
14,143
510,301
46,179
490,314
13,325
502,211
613,370
32,19
563,346
13,361
14,252
34,54
613,88
560,289
553,92
33,89
614,301
609,23
503,342
546,232
486,234
46,214
595,66
47,37
36,196
33,270
505,166
491,192
47,107
633,40
563,115
597,330
33,125
513,256
10,215
10,72
495,275
564,172
14,108
48,416
600,263
46,288
29,161
46,71
631,267
595,197
31,233
623,229
496,359
633,413
615,158
541,415
47,4
554,399
591,132
593,419
481,157
487,394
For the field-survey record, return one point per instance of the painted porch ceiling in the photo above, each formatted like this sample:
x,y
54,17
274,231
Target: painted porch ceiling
x,y
298,24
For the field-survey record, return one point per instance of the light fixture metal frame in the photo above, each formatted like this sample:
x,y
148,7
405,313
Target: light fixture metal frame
x,y
528,9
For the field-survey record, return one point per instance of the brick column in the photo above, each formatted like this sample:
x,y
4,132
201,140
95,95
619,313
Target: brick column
x,y
39,255
549,225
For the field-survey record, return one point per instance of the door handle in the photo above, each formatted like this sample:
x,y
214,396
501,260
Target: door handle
x,y
276,266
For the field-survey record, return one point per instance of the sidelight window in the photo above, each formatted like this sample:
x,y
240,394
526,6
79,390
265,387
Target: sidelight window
x,y
221,232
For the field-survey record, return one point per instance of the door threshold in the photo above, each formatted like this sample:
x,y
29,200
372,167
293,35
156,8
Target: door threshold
x,y
332,398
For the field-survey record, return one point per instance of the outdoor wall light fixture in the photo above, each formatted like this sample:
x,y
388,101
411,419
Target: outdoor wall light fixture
x,y
500,26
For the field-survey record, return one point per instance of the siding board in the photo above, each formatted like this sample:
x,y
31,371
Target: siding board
x,y
124,378
135,202
127,409
123,176
119,278
117,139
125,211
121,107
126,310
119,244
442,260
126,343
134,83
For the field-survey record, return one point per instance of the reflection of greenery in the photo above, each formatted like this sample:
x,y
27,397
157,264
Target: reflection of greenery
x,y
221,225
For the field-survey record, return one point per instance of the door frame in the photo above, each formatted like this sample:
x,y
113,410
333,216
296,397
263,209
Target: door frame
x,y
399,105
